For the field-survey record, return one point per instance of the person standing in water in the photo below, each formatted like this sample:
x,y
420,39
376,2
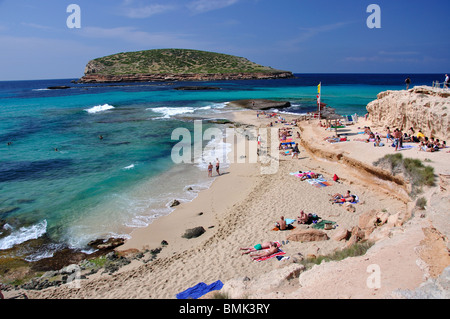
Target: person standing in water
x,y
217,166
210,166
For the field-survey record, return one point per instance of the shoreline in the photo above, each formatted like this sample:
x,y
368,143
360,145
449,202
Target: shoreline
x,y
243,206
211,203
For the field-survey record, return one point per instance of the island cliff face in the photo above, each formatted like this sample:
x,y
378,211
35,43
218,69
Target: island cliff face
x,y
175,65
423,108
101,78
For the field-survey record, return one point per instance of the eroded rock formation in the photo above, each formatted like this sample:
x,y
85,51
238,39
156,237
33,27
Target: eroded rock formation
x,y
423,108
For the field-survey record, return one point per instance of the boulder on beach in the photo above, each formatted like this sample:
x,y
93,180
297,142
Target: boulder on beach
x,y
305,235
193,232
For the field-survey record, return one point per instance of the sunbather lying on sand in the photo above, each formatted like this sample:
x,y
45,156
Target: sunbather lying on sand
x,y
340,196
272,250
258,247
352,198
309,176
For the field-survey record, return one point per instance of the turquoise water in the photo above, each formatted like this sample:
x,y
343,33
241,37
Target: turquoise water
x,y
60,180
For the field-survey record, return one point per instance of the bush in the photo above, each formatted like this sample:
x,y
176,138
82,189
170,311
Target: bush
x,y
357,249
413,170
421,203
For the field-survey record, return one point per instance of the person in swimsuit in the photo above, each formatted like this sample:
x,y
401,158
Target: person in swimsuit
x,y
217,166
210,167
257,247
272,250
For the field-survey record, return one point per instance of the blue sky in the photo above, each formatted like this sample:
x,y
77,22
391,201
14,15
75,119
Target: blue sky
x,y
302,36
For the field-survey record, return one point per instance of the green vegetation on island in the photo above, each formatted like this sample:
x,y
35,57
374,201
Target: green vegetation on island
x,y
173,61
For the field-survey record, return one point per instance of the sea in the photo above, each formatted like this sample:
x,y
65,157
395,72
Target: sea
x,y
94,161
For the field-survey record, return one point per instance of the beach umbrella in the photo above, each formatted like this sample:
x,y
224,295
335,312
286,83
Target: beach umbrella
x,y
333,116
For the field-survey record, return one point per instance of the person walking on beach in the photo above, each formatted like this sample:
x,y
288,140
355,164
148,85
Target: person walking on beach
x,y
217,166
446,81
210,167
408,82
397,137
295,151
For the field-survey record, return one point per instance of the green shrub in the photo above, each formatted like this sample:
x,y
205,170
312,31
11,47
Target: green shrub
x,y
421,203
357,249
413,169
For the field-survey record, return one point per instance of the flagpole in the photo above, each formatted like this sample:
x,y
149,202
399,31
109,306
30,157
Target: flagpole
x,y
318,97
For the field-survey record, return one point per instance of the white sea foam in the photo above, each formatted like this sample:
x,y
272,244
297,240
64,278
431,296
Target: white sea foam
x,y
129,167
23,234
99,108
215,149
169,112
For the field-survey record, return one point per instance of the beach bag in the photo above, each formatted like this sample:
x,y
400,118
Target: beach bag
x,y
335,178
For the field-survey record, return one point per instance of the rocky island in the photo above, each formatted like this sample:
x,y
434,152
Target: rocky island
x,y
175,65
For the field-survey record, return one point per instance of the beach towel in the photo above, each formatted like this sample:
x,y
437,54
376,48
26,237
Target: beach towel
x,y
321,224
319,182
289,221
289,227
199,290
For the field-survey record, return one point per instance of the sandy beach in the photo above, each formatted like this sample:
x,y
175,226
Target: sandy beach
x,y
240,210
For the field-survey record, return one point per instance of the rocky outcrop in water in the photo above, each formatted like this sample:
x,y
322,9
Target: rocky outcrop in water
x,y
260,104
423,108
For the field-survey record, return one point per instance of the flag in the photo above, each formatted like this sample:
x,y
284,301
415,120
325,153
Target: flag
x,y
318,88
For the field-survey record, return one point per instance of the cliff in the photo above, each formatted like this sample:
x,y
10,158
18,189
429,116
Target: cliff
x,y
422,107
175,65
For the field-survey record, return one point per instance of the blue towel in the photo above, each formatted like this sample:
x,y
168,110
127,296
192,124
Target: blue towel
x,y
289,221
199,290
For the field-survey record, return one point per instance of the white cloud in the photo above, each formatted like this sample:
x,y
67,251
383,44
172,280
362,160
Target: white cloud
x,y
307,33
396,53
201,6
36,26
143,12
142,38
383,59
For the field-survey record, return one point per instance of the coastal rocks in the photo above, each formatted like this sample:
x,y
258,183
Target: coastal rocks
x,y
258,104
93,77
59,87
108,244
175,203
342,234
305,235
423,108
242,287
433,288
193,232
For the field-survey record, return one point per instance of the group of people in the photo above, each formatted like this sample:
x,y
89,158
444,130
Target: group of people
x,y
397,137
210,168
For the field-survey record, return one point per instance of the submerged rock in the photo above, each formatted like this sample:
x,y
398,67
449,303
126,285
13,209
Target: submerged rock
x,y
259,104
